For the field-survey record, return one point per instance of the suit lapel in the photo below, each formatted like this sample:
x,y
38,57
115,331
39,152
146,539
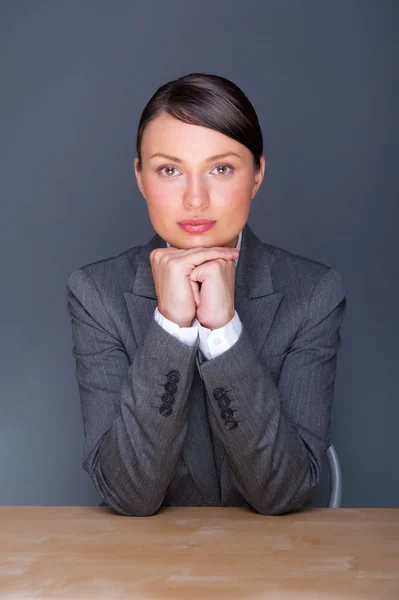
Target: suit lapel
x,y
142,300
255,299
256,303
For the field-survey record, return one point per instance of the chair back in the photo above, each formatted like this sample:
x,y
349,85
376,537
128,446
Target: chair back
x,y
334,500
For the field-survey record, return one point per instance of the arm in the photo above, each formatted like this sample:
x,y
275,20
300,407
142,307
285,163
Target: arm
x,y
131,448
282,431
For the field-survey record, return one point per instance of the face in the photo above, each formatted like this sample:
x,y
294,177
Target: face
x,y
183,177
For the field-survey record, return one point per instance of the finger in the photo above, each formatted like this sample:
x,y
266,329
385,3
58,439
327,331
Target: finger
x,y
195,289
193,257
220,249
197,256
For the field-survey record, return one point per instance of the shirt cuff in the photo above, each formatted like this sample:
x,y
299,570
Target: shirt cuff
x,y
187,335
213,343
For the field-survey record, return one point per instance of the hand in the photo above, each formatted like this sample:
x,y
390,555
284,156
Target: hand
x,y
215,301
176,292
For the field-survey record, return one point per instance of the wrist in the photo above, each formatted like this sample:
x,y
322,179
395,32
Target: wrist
x,y
173,319
218,324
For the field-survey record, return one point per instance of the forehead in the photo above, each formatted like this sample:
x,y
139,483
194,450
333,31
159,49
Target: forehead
x,y
171,136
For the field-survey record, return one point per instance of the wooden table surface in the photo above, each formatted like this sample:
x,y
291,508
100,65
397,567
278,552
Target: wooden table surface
x,y
209,553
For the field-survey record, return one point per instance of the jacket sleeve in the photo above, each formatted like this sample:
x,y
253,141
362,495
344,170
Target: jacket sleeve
x,y
275,436
134,414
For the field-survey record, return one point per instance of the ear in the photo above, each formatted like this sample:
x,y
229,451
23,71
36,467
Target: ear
x,y
139,176
259,176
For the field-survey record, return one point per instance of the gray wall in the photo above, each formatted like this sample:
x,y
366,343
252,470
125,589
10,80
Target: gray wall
x,y
75,77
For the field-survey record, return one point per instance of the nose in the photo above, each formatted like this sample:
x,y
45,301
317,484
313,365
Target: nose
x,y
196,194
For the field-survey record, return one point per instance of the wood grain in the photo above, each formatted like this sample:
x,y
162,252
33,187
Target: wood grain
x,y
198,553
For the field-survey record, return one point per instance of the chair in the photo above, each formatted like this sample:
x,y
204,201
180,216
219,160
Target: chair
x,y
334,500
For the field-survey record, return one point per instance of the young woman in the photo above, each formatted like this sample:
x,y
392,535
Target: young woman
x,y
205,359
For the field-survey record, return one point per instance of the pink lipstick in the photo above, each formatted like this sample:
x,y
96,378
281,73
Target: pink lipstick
x,y
196,225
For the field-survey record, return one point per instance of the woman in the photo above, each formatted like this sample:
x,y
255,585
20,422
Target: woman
x,y
205,359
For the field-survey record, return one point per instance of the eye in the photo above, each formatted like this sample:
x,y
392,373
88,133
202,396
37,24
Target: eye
x,y
224,167
168,169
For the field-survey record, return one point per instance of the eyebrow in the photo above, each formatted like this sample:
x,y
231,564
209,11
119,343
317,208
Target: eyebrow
x,y
179,160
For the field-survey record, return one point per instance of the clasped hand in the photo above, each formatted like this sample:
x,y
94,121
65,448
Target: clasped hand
x,y
198,282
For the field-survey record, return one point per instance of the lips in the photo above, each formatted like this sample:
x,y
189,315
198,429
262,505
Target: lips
x,y
196,222
196,225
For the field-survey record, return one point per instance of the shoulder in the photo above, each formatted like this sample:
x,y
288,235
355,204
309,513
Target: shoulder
x,y
114,271
299,275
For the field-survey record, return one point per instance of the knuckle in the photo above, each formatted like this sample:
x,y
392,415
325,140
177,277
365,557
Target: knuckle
x,y
154,253
158,254
216,264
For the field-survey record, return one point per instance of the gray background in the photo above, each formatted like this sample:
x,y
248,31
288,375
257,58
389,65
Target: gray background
x,y
75,77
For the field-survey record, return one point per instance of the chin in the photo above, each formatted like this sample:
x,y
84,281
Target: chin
x,y
201,240
186,241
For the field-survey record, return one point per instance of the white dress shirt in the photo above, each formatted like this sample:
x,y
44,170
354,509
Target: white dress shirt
x,y
211,343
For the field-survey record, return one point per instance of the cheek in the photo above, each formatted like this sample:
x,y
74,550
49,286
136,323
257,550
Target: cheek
x,y
235,192
158,196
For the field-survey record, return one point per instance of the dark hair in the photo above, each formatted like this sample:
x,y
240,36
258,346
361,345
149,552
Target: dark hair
x,y
208,100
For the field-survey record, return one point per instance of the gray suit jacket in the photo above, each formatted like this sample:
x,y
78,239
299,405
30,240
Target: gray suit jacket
x,y
155,422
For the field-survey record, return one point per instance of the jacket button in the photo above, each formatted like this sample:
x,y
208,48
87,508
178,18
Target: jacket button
x,y
226,413
173,377
231,424
224,402
219,393
168,399
165,410
170,387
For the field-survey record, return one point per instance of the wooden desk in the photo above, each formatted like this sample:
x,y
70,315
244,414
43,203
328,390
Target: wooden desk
x,y
191,553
